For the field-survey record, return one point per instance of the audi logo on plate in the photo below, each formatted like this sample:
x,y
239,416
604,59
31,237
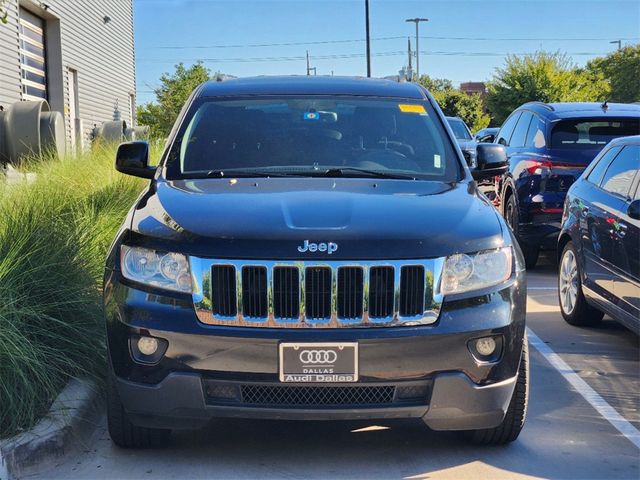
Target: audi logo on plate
x,y
318,356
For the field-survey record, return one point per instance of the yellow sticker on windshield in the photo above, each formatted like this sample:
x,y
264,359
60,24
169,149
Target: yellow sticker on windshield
x,y
412,108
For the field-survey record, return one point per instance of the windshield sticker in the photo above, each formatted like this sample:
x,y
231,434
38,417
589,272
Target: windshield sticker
x,y
436,161
311,116
411,108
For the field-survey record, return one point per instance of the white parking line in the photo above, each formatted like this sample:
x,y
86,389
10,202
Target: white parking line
x,y
583,388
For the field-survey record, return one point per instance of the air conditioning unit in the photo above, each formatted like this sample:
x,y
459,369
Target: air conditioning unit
x,y
30,129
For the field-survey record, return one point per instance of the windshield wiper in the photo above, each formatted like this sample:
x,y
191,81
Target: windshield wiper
x,y
342,171
246,173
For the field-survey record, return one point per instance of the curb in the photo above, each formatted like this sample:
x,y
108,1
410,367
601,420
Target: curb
x,y
71,420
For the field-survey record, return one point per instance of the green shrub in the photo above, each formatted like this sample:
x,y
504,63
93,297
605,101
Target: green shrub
x,y
54,235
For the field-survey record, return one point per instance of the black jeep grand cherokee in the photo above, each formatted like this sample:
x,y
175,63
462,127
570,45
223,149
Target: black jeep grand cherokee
x,y
314,248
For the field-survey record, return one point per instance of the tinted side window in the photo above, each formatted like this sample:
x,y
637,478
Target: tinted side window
x,y
535,137
595,176
622,171
520,133
507,129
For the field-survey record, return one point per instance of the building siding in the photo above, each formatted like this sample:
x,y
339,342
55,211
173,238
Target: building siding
x,y
10,87
102,54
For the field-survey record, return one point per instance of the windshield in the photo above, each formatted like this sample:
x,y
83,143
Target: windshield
x,y
591,134
460,130
313,135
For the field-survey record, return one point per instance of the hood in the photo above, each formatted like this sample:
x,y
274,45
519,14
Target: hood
x,y
269,218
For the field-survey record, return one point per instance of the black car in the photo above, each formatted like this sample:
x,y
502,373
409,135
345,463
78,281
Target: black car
x,y
599,243
486,134
549,145
463,136
314,248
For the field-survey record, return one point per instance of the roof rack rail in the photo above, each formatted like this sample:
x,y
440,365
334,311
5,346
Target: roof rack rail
x,y
542,104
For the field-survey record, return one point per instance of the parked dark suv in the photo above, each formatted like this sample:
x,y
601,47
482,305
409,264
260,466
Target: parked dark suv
x,y
314,248
599,244
549,146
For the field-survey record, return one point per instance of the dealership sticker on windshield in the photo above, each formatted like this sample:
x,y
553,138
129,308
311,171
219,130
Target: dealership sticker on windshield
x,y
311,116
412,108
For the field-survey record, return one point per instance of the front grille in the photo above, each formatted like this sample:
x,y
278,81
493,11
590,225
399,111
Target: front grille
x,y
318,292
321,294
350,292
412,291
316,396
286,292
381,292
254,292
223,290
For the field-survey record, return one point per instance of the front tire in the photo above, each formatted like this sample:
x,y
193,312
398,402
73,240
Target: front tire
x,y
573,306
512,216
124,433
516,414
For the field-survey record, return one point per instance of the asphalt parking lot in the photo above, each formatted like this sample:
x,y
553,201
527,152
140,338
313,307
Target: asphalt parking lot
x,y
583,423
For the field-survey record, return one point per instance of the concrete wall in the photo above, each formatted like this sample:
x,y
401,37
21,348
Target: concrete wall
x,y
92,37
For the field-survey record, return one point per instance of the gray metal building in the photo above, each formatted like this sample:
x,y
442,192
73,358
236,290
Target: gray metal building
x,y
76,54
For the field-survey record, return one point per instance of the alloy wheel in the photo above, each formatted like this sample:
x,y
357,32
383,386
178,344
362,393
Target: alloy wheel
x,y
568,282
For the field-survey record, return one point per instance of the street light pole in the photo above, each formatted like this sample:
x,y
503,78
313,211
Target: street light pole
x,y
366,13
619,42
417,22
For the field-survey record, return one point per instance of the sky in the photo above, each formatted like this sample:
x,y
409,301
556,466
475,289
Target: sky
x,y
464,40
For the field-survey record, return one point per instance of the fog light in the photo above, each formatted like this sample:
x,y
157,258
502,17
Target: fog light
x,y
485,346
147,345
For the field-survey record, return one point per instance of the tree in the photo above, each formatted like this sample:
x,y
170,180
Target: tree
x,y
545,77
171,95
455,103
435,84
622,70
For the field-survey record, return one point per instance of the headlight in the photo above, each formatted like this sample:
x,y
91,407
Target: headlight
x,y
463,273
159,269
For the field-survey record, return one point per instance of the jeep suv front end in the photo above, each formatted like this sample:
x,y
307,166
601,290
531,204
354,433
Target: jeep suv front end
x,y
313,249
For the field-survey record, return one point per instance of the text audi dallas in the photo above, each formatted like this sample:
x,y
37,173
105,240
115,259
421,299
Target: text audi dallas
x,y
314,248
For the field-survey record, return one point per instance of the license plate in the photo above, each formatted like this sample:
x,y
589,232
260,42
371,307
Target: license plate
x,y
319,362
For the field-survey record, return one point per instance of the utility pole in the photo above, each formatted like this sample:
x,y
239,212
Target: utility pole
x,y
619,42
309,67
366,14
417,22
410,54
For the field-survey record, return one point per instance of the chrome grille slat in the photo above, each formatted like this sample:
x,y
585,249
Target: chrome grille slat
x,y
254,292
349,293
412,282
224,286
320,294
381,292
286,292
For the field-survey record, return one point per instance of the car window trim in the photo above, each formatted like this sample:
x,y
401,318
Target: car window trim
x,y
593,165
518,113
615,194
523,112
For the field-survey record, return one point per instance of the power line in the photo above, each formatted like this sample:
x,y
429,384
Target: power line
x,y
427,37
348,56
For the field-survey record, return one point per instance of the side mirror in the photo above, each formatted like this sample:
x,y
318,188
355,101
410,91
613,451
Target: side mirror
x,y
634,210
491,160
133,159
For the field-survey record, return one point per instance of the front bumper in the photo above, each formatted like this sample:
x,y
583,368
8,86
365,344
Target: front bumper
x,y
180,402
454,391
